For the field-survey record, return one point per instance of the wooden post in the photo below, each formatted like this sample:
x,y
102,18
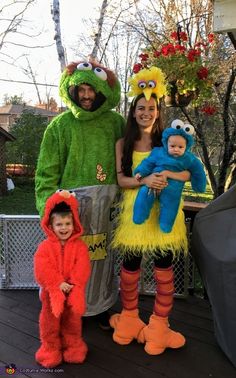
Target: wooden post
x,y
3,175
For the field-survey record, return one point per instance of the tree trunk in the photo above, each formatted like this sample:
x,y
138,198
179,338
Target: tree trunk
x,y
55,11
229,137
99,33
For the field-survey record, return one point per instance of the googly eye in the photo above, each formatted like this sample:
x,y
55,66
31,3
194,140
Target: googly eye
x,y
99,72
177,124
59,190
72,193
142,84
189,129
151,84
84,66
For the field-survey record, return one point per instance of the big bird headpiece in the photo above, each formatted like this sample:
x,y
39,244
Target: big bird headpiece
x,y
148,81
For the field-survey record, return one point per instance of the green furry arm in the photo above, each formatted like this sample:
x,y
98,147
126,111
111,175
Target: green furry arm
x,y
48,169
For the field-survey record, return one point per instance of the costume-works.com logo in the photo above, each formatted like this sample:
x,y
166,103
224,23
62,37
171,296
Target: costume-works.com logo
x,y
10,369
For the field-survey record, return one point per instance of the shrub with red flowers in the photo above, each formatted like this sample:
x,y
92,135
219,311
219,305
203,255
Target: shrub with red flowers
x,y
208,109
191,69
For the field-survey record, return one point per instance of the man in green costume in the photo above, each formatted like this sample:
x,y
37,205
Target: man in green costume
x,y
78,153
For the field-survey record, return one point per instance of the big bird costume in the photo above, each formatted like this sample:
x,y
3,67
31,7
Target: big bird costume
x,y
146,239
78,153
148,81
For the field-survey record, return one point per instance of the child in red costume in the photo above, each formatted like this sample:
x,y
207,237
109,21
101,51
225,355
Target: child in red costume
x,y
62,269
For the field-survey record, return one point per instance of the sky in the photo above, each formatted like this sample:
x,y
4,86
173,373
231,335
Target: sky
x,y
44,61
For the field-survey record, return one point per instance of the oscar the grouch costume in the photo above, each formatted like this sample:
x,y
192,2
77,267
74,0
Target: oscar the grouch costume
x,y
78,152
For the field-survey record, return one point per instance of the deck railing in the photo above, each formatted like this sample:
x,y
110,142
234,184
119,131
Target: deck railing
x,y
20,236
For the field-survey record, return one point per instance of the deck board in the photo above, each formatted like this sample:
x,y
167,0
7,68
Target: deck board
x,y
200,357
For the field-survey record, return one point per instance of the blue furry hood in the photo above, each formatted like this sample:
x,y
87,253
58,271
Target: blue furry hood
x,y
179,128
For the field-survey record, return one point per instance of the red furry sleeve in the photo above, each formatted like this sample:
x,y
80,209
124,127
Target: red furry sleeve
x,y
47,275
79,277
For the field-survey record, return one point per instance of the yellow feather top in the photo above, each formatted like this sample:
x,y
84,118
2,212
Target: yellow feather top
x,y
148,81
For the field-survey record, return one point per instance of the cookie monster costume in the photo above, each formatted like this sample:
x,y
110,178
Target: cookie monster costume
x,y
160,160
78,153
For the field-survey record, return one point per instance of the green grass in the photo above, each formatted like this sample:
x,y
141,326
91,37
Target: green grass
x,y
21,200
190,195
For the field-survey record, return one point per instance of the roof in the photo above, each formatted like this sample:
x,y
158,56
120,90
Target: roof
x,y
18,109
7,135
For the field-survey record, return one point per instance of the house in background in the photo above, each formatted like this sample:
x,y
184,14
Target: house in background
x,y
4,137
224,18
10,113
8,116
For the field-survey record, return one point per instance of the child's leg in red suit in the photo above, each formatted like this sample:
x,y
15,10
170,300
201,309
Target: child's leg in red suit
x,y
49,354
74,347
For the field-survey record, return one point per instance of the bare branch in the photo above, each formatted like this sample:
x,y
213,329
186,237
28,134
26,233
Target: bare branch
x,y
28,47
15,21
29,72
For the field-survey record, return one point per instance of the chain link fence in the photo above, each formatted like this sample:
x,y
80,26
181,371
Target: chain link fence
x,y
20,236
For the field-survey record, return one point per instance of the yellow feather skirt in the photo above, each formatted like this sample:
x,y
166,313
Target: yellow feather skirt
x,y
146,238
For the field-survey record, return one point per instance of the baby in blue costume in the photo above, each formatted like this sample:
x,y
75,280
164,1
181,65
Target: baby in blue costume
x,y
175,156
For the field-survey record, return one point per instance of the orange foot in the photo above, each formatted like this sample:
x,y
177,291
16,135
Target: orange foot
x,y
127,326
157,336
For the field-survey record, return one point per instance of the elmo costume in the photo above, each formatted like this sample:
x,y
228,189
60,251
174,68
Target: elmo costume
x,y
60,318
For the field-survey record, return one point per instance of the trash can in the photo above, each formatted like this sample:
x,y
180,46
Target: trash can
x,y
96,203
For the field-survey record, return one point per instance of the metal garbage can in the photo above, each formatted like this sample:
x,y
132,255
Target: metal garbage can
x,y
96,204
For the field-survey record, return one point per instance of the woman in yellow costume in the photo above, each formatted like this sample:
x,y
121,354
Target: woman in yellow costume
x,y
143,132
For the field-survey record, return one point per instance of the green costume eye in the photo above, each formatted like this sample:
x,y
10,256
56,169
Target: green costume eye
x,y
85,66
99,72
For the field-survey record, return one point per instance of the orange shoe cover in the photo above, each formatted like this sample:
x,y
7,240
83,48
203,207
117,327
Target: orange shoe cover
x,y
127,326
157,336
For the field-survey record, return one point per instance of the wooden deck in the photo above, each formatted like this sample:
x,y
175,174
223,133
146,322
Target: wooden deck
x,y
200,357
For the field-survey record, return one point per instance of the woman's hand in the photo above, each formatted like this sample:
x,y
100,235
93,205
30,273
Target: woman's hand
x,y
180,176
155,181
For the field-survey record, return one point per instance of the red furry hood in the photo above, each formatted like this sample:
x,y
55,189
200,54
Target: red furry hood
x,y
70,200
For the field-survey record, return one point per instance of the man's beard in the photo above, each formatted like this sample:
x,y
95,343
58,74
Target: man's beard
x,y
97,103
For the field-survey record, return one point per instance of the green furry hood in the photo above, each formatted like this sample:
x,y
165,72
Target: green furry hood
x,y
103,81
